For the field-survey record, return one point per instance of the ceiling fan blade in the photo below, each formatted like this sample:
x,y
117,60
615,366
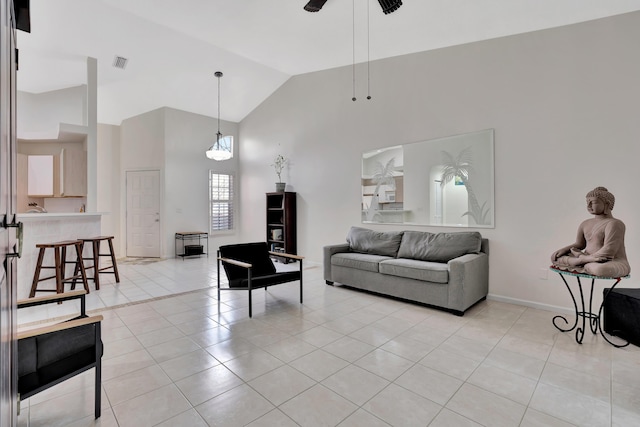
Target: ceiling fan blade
x,y
389,6
314,5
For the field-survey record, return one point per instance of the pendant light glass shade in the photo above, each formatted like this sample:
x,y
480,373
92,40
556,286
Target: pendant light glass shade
x,y
222,149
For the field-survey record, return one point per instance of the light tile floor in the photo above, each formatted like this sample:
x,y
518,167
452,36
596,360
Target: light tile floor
x,y
343,358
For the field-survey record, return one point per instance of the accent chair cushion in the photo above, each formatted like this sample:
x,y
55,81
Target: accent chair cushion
x,y
368,241
256,254
265,281
440,247
46,358
66,343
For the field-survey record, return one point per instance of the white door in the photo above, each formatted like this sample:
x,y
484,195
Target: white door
x,y
143,214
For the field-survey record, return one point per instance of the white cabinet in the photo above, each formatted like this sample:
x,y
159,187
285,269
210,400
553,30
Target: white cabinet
x,y
63,175
73,173
40,176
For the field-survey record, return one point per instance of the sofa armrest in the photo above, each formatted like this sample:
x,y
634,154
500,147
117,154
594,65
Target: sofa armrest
x,y
468,280
328,251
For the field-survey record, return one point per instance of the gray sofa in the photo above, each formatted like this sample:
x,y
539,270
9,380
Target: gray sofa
x,y
444,270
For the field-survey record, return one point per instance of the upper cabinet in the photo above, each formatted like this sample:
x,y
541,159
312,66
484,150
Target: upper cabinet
x,y
63,175
40,176
73,173
55,166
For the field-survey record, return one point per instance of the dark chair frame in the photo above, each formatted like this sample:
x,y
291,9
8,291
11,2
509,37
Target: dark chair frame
x,y
221,261
77,322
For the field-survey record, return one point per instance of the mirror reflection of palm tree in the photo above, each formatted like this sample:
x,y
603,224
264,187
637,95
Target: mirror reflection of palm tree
x,y
383,175
461,167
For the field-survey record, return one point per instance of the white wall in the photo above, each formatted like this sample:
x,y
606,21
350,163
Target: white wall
x,y
563,103
43,112
174,142
187,137
141,148
108,182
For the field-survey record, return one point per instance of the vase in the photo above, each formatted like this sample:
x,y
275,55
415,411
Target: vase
x,y
280,186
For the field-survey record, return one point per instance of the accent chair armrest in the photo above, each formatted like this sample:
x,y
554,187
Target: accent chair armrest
x,y
286,255
235,262
48,299
58,327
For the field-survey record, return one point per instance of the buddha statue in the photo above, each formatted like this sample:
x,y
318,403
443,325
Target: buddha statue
x,y
599,246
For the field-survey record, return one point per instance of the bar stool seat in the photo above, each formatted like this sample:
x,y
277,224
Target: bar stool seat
x,y
60,262
95,257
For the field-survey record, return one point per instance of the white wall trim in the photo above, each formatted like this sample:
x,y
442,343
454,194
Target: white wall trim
x,y
532,304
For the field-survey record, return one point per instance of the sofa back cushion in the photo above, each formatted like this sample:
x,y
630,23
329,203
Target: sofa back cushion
x,y
368,241
440,247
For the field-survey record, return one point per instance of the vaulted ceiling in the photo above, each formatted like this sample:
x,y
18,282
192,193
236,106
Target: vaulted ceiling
x,y
174,47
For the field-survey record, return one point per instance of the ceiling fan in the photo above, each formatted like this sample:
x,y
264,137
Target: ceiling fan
x,y
388,6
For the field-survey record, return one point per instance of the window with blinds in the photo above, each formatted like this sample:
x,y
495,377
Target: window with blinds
x,y
220,202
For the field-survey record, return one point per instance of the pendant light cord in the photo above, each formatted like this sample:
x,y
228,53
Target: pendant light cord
x,y
368,52
218,75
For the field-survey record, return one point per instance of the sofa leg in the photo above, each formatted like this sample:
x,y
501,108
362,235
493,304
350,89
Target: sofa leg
x,y
329,282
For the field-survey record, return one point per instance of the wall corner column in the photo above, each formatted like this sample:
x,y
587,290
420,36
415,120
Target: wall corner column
x,y
92,134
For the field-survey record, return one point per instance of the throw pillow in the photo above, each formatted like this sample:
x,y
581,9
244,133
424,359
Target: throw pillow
x,y
374,242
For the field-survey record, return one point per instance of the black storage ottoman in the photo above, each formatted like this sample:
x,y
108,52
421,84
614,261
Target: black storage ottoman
x,y
190,250
621,314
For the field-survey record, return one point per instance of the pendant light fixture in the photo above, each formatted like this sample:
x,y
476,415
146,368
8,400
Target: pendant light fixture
x,y
222,149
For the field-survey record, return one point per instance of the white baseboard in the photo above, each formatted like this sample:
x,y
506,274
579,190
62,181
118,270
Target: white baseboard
x,y
532,304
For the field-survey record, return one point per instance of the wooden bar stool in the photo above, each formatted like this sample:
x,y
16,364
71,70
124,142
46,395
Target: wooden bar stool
x,y
95,257
60,263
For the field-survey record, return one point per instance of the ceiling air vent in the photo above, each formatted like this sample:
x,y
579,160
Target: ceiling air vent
x,y
120,62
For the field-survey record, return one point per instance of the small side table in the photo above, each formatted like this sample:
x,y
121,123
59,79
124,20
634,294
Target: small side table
x,y
192,243
581,312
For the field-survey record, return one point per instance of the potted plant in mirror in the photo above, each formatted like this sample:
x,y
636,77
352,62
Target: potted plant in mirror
x,y
279,164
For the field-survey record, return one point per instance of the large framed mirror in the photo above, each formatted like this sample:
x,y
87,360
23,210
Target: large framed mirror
x,y
439,182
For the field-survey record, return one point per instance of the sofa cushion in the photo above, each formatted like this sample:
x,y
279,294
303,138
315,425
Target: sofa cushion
x,y
368,241
414,244
440,247
426,271
367,262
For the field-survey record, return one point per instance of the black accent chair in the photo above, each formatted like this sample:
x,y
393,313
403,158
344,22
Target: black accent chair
x,y
52,354
249,266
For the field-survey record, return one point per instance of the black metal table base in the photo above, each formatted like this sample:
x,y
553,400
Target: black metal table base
x,y
587,315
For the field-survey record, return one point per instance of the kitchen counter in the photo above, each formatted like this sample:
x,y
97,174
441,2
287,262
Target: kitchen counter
x,y
51,215
48,228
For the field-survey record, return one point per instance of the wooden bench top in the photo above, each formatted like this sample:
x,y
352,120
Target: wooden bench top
x,y
58,244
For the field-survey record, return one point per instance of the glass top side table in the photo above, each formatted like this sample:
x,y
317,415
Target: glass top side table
x,y
582,312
